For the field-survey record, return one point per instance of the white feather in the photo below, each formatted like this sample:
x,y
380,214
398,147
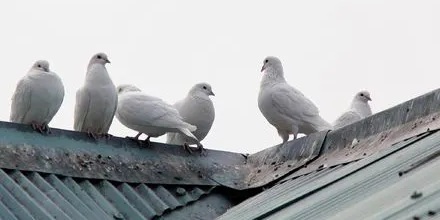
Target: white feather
x,y
197,109
149,115
38,96
286,108
97,100
358,110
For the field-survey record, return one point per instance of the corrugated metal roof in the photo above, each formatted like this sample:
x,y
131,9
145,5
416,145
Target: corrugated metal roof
x,y
67,175
33,195
398,182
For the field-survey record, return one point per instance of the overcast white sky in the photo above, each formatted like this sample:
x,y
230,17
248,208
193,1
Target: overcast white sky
x,y
330,50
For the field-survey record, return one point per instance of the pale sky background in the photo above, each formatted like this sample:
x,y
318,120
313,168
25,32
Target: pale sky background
x,y
330,50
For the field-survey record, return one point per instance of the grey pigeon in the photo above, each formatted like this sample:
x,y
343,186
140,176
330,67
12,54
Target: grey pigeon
x,y
197,109
96,101
149,115
37,98
286,108
358,110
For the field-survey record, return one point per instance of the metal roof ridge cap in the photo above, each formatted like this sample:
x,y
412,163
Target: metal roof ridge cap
x,y
74,154
294,149
401,114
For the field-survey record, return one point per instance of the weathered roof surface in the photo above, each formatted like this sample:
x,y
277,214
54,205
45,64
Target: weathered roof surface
x,y
67,175
75,154
385,166
33,195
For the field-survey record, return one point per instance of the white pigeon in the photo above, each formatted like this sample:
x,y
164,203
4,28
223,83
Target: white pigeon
x,y
197,109
358,110
38,97
149,115
286,108
97,100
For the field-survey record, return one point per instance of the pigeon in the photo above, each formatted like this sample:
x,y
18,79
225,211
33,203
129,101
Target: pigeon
x,y
37,98
97,100
149,115
197,109
286,108
359,109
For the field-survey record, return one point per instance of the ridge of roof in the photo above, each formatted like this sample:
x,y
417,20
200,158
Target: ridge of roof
x,y
74,154
350,143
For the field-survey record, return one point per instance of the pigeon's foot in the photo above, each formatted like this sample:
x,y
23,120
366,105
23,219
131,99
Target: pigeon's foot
x,y
201,149
141,143
187,148
46,129
147,142
93,135
135,139
38,127
107,136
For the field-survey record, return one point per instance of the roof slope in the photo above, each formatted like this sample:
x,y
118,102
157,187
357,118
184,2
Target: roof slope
x,y
400,182
385,166
67,175
33,195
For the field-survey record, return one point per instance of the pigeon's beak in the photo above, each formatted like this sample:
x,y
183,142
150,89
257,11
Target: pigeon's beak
x,y
368,97
263,68
212,93
107,61
46,69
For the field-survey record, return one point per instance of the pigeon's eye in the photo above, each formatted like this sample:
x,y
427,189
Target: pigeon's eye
x,y
204,87
362,94
99,57
39,66
266,61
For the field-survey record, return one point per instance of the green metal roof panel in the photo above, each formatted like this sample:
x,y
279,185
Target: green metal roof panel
x,y
356,190
341,173
34,195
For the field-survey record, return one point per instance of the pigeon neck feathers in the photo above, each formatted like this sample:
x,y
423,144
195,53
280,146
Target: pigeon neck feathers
x,y
362,108
97,74
272,76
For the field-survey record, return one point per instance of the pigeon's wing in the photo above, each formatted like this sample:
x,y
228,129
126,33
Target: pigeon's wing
x,y
166,115
82,106
346,119
21,101
142,110
291,103
58,100
109,121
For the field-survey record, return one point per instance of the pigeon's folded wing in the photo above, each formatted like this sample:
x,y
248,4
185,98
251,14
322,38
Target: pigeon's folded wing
x,y
21,101
292,103
58,100
346,119
83,100
109,120
142,110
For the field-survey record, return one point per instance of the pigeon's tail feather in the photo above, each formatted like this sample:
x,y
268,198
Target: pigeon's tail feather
x,y
171,138
319,124
187,129
190,127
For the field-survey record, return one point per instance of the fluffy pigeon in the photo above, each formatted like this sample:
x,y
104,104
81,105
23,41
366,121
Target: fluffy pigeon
x,y
149,115
358,110
96,101
197,109
286,108
37,98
